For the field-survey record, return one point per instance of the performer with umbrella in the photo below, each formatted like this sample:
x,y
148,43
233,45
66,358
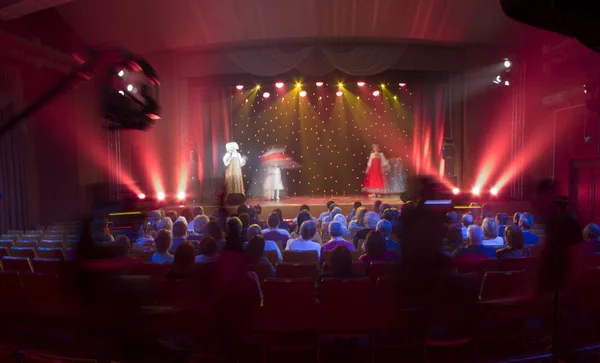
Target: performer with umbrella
x,y
274,160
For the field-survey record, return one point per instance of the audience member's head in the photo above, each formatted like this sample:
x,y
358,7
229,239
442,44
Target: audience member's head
x,y
184,256
475,235
252,213
329,203
335,211
384,206
467,219
256,247
341,261
200,222
242,208
475,210
486,211
370,220
591,232
341,219
180,229
526,221
390,214
336,229
517,217
279,213
198,211
234,240
452,217
308,229
331,207
181,219
273,220
165,223
375,244
302,217
454,235
123,244
377,206
502,219
254,230
163,240
187,213
214,230
233,226
514,237
173,215
490,228
356,205
208,245
360,215
245,219
384,226
305,207
408,207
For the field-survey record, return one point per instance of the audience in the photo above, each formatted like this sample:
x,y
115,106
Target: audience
x,y
234,241
514,240
502,220
124,247
253,231
163,242
253,216
241,209
383,207
328,212
304,208
341,266
283,225
516,218
172,215
591,232
467,220
377,207
183,261
145,235
336,231
490,233
342,220
273,232
214,230
200,222
475,249
153,218
334,212
208,250
355,207
179,235
357,222
165,223
245,219
188,214
308,229
454,238
256,249
370,221
376,250
198,211
384,226
525,223
303,217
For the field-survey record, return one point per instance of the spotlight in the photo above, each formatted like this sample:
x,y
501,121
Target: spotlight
x,y
507,63
455,191
121,73
130,87
401,84
298,84
339,93
319,84
142,196
382,85
181,195
266,95
375,93
476,190
302,93
239,87
395,97
494,191
506,83
497,80
161,196
279,84
257,87
340,85
121,93
360,84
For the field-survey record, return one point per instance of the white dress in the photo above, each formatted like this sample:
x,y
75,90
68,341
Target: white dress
x,y
273,180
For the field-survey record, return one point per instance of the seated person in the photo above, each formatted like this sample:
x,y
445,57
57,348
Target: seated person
x,y
305,242
198,211
200,223
376,250
377,207
214,230
370,221
283,225
342,220
467,220
337,232
502,220
183,261
454,239
516,218
274,233
163,242
253,216
591,232
303,217
256,249
334,212
474,248
514,240
245,219
384,226
355,206
328,212
304,208
357,221
124,247
525,223
179,235
208,250
490,233
254,230
341,266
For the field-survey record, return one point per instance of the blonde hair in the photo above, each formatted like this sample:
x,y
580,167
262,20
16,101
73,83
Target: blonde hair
x,y
490,228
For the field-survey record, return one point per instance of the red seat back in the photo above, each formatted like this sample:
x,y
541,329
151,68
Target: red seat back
x,y
378,269
47,265
289,304
504,284
262,270
300,257
48,252
297,270
517,264
22,252
271,256
43,294
21,264
479,266
11,287
345,304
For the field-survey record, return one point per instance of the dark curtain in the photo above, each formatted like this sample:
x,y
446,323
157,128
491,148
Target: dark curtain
x,y
13,203
208,131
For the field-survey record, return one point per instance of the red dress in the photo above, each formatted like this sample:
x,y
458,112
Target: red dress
x,y
374,180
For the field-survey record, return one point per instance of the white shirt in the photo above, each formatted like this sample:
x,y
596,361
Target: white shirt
x,y
205,258
191,226
282,231
300,245
162,257
323,215
497,242
270,246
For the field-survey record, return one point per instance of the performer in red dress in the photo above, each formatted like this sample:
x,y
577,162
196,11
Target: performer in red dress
x,y
375,180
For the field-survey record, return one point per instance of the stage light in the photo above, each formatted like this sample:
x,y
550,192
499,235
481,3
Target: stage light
x,y
239,87
161,196
266,95
298,85
142,196
476,190
375,93
360,84
497,80
494,191
506,83
302,93
181,195
507,63
455,191
340,85
122,93
257,87
395,97
382,85
319,84
121,73
401,84
130,87
339,93
279,84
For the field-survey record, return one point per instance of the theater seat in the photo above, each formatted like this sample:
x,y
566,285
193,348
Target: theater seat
x,y
22,252
47,265
43,294
50,252
51,243
11,288
31,243
504,284
272,257
378,269
297,270
517,264
21,264
262,270
6,243
300,257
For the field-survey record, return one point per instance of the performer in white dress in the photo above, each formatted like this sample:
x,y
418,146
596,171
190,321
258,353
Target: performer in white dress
x,y
233,160
273,183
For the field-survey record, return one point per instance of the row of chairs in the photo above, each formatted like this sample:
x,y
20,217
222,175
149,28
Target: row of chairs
x,y
9,356
42,243
32,252
36,264
39,238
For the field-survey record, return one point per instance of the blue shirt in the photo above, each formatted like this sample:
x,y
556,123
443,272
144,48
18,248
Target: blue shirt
x,y
530,239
